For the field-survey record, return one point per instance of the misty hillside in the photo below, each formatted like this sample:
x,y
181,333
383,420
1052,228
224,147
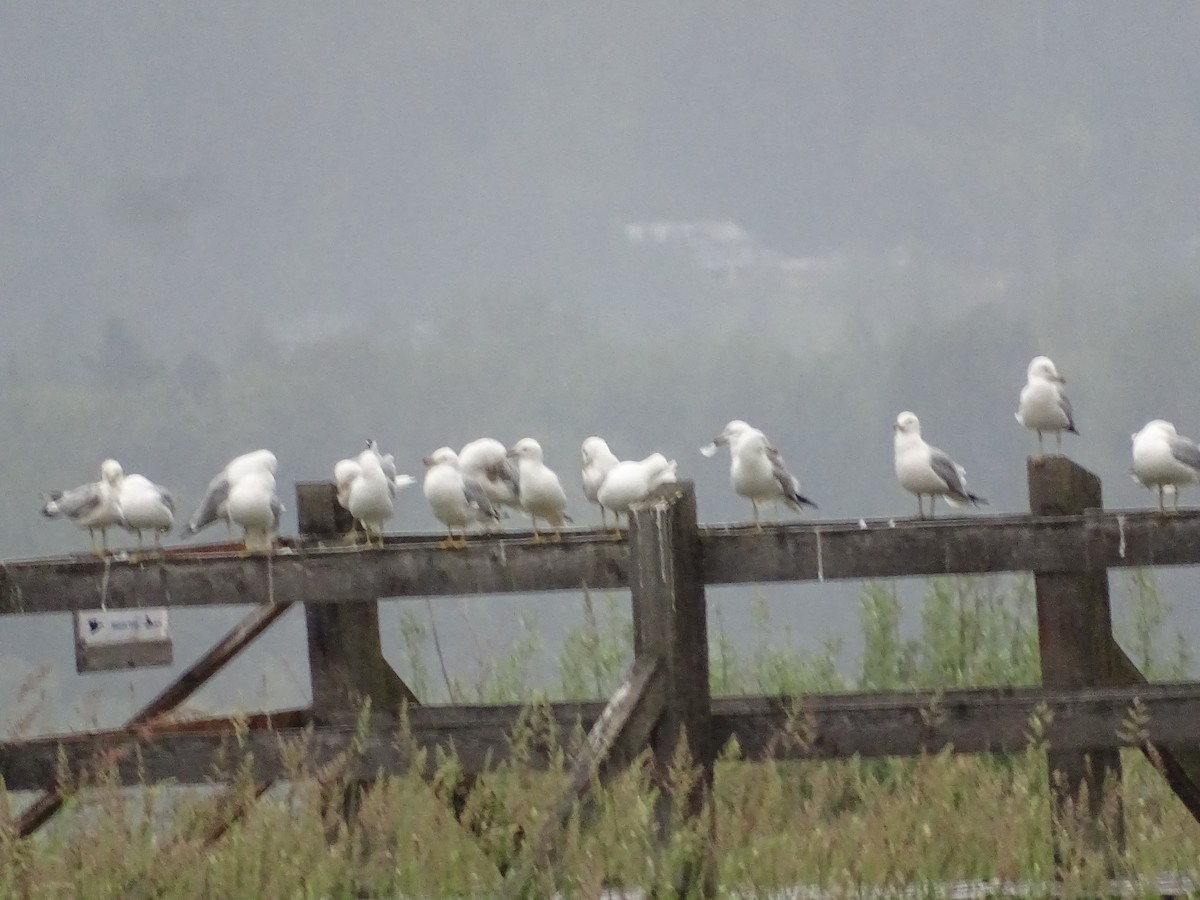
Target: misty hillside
x,y
201,169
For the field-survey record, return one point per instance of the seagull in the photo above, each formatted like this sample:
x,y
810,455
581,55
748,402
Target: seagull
x,y
541,493
486,461
344,473
387,462
1164,459
1044,405
214,505
598,461
91,506
631,482
252,504
367,487
146,505
369,493
756,469
456,500
926,470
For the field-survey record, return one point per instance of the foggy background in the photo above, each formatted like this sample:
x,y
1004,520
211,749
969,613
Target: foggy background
x,y
228,227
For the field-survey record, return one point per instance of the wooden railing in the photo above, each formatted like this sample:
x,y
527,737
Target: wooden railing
x,y
1068,542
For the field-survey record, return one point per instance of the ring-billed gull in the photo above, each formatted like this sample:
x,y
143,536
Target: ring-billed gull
x,y
756,469
146,506
94,506
1044,405
456,500
927,471
214,505
486,460
387,462
253,505
598,461
1164,459
541,493
631,481
368,493
344,473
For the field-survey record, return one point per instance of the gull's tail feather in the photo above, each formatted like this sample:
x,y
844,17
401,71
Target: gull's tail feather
x,y
959,501
800,500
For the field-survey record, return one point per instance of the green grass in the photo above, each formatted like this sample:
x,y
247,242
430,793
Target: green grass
x,y
778,824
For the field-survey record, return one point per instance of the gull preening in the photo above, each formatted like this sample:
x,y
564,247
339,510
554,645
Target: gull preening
x,y
926,471
145,506
95,506
1043,405
541,493
486,460
630,482
597,462
254,506
756,468
366,487
1165,460
457,500
243,494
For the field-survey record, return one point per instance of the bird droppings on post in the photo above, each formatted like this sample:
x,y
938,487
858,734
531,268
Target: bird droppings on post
x,y
820,557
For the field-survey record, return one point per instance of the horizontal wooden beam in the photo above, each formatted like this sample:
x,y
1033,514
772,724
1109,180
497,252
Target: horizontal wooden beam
x,y
310,572
825,726
959,546
983,720
414,565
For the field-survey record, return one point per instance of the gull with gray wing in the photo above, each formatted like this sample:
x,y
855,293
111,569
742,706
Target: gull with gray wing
x,y
214,506
94,506
926,471
1165,460
756,469
1043,405
457,500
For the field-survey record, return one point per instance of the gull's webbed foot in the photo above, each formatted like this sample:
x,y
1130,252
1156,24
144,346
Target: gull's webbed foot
x,y
453,542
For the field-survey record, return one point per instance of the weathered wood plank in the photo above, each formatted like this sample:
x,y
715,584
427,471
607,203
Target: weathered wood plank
x,y
1076,647
876,548
413,565
345,657
603,735
974,721
670,624
834,726
187,683
314,574
1179,764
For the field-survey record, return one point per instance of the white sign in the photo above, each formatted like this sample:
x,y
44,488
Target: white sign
x,y
98,627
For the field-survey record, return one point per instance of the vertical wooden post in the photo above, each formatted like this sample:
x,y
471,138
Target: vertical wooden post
x,y
1077,647
670,626
344,653
345,658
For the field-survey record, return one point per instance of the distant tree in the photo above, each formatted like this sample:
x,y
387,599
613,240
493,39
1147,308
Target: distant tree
x,y
197,374
121,359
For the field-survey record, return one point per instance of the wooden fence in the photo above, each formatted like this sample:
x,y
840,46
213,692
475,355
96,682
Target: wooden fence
x,y
1068,542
